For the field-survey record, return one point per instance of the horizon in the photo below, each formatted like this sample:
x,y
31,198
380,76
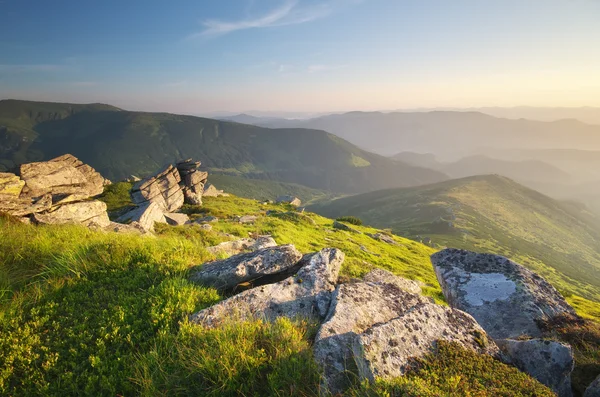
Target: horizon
x,y
302,56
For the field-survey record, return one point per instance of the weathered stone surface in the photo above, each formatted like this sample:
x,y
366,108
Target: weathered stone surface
x,y
22,206
176,219
242,245
228,273
246,218
87,213
344,227
211,191
146,215
207,219
503,296
10,185
383,276
593,390
550,362
133,228
204,226
64,175
162,189
355,308
305,295
383,237
292,200
386,351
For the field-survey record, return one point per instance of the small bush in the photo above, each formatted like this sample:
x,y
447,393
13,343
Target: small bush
x,y
350,219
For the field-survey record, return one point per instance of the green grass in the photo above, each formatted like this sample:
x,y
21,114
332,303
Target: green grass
x,y
493,214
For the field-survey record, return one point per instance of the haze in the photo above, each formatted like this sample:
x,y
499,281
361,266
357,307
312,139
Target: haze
x,y
303,56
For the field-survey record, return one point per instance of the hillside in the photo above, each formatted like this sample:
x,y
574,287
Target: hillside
x,y
121,143
492,214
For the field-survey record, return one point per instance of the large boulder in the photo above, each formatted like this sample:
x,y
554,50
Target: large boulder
x,y
176,218
228,273
23,206
291,200
304,295
507,299
378,275
355,308
235,247
146,215
388,350
193,181
211,191
62,176
87,213
162,189
550,362
593,390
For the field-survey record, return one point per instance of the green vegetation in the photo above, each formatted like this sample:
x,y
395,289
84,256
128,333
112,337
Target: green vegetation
x,y
493,214
120,143
350,219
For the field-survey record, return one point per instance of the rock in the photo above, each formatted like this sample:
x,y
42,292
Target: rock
x,y
504,297
193,181
593,390
387,351
228,273
10,185
207,219
246,218
176,219
133,228
22,206
162,189
245,244
87,213
211,191
146,215
378,275
344,227
205,226
383,237
355,308
305,295
62,176
550,362
291,200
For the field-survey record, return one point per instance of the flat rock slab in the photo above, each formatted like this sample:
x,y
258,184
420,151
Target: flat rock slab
x,y
10,184
503,296
593,390
383,276
87,213
304,295
146,215
242,245
388,350
22,206
550,362
228,273
176,219
354,308
383,238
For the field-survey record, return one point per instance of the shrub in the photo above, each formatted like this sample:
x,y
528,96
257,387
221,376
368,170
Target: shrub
x,y
350,219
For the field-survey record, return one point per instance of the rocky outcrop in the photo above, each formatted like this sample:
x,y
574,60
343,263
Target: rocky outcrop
x,y
378,275
242,245
505,298
291,200
386,351
146,215
87,213
228,273
176,218
305,295
344,227
24,206
593,390
162,189
193,181
10,185
550,362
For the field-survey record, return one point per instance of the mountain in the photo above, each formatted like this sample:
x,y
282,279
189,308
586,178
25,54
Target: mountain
x,y
118,143
427,160
493,214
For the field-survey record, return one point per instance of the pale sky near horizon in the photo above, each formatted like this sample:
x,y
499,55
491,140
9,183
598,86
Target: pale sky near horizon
x,y
301,55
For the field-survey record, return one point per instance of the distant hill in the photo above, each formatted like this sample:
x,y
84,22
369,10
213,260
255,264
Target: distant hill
x,y
491,214
119,143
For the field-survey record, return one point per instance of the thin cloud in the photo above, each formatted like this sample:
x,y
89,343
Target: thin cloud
x,y
291,12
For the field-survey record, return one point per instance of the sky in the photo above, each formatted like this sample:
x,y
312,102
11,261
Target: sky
x,y
200,56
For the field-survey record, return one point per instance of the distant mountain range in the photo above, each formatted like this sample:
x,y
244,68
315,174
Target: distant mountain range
x,y
118,142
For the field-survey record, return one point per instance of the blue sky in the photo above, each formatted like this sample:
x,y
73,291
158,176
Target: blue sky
x,y
303,55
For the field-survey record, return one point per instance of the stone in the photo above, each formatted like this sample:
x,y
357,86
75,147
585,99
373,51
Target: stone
x,y
388,350
87,213
246,218
227,273
146,215
291,200
550,362
344,227
207,219
133,228
593,389
354,308
176,219
211,191
305,295
378,275
505,298
10,185
205,226
193,181
162,189
64,175
383,237
22,206
242,245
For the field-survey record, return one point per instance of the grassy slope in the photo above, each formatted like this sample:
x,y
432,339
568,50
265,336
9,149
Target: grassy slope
x,y
493,214
120,143
95,313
